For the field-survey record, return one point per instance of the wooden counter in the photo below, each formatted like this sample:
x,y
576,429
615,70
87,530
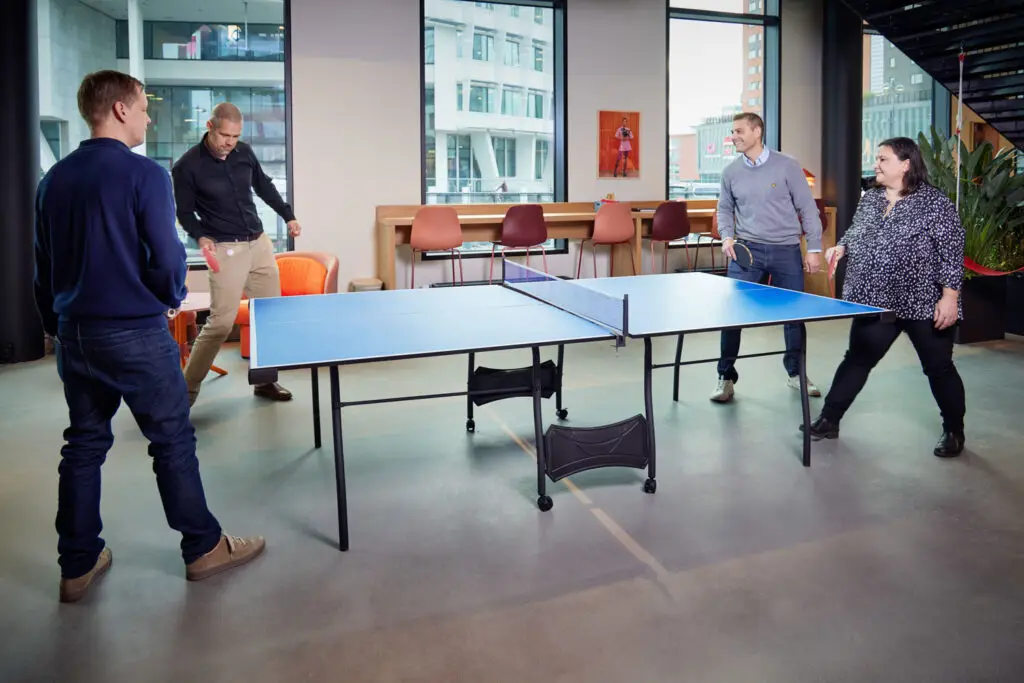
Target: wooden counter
x,y
566,220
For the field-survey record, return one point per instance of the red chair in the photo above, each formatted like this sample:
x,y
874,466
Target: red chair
x,y
436,228
671,222
522,227
613,224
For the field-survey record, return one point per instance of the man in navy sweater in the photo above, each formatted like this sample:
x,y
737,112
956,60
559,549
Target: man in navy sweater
x,y
109,266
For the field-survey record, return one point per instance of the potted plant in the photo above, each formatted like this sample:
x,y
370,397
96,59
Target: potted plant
x,y
992,214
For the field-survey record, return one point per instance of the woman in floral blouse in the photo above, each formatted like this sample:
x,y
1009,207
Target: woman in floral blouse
x,y
906,253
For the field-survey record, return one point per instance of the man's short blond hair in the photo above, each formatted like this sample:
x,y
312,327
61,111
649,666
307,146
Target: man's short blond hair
x,y
225,111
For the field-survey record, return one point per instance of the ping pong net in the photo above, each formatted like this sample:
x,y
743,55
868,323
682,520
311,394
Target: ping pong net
x,y
602,309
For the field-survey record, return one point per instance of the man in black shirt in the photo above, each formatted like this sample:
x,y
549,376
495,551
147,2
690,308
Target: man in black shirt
x,y
213,186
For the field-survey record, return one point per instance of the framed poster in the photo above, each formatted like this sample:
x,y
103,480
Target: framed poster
x,y
618,144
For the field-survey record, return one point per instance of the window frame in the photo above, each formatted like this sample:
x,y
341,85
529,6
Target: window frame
x,y
770,76
558,144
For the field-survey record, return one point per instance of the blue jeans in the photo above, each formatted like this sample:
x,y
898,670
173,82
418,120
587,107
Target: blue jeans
x,y
99,366
785,264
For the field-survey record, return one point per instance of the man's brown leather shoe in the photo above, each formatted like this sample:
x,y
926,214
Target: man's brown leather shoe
x,y
229,553
73,590
273,391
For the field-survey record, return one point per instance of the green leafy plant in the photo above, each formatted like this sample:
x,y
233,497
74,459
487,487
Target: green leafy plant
x,y
991,197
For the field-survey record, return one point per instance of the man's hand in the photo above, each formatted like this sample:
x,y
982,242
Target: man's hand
x,y
206,243
812,261
728,249
946,310
294,229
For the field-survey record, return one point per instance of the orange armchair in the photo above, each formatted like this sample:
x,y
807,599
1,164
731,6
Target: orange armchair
x,y
302,272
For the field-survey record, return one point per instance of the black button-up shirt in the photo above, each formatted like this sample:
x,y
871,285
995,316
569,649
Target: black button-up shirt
x,y
214,197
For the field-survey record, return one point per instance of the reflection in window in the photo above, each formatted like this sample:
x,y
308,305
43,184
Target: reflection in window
x,y
897,98
174,40
179,115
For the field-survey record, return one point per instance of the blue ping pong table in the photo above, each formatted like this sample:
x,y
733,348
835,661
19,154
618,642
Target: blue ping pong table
x,y
528,309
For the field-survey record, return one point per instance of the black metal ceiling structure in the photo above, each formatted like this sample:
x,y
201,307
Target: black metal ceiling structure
x,y
932,33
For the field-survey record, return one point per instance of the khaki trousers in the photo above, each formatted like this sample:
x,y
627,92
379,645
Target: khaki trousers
x,y
245,267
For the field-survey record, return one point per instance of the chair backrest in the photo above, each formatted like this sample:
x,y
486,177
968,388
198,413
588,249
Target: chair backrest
x,y
436,228
524,226
307,272
613,224
671,222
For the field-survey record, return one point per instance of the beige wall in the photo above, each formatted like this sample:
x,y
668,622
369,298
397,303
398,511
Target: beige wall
x,y
800,101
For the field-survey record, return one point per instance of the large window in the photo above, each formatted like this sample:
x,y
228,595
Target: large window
x,y
179,115
721,63
492,93
898,98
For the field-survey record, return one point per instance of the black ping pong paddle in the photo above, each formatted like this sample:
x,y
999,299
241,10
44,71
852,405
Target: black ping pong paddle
x,y
744,258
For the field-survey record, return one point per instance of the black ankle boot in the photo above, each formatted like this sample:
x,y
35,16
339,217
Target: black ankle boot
x,y
950,445
823,428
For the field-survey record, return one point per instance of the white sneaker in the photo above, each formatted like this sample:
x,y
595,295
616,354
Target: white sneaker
x,y
794,383
723,392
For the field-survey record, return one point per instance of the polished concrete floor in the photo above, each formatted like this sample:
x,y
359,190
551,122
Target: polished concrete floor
x,y
878,563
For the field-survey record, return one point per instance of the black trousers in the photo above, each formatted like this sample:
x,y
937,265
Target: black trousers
x,y
871,339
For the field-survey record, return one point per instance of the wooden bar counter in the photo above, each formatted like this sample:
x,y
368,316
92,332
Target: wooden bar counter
x,y
565,220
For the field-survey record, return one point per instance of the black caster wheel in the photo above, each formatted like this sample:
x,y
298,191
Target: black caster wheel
x,y
545,503
650,486
563,413
470,426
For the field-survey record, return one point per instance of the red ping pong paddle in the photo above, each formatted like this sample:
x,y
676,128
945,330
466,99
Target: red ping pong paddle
x,y
211,259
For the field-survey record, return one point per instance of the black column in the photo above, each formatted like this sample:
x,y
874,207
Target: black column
x,y
21,332
842,128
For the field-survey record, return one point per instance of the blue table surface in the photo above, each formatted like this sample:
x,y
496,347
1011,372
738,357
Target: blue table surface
x,y
671,303
299,331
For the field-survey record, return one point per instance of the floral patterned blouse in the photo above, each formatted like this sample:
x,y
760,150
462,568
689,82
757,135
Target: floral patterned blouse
x,y
902,261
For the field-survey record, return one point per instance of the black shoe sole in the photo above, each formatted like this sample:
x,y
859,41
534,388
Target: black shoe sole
x,y
818,436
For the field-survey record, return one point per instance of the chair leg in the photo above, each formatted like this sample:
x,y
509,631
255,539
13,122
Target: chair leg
x,y
462,279
490,277
412,284
544,257
664,259
611,261
453,267
632,263
652,259
579,262
593,256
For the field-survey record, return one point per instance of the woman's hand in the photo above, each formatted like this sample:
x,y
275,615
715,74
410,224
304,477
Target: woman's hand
x,y
946,310
832,256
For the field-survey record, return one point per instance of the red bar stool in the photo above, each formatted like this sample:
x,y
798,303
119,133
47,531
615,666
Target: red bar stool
x,y
523,227
613,224
436,228
671,222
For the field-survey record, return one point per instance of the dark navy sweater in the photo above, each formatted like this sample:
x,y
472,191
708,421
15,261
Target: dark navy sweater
x,y
106,250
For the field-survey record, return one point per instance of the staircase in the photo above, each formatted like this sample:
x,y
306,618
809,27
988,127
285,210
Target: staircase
x,y
991,32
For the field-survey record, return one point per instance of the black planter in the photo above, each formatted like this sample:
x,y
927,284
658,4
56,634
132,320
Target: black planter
x,y
984,301
1015,304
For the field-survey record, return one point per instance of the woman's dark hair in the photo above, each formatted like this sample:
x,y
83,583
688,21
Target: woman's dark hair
x,y
906,149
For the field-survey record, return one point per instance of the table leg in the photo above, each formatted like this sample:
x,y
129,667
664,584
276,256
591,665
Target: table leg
x,y
470,423
315,382
339,461
561,412
805,403
675,369
544,501
650,486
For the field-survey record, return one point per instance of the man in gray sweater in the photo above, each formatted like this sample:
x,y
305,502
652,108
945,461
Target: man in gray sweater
x,y
765,203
